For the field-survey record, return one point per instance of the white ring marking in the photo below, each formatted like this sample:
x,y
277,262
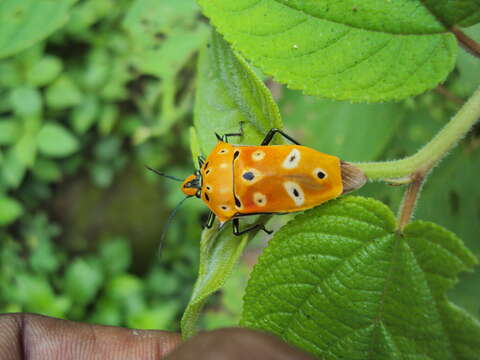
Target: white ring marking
x,y
295,192
292,159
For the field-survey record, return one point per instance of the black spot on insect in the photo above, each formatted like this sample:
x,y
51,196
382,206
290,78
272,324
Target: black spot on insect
x,y
296,193
208,187
248,176
207,172
260,201
207,197
237,202
321,175
235,154
206,165
293,157
223,207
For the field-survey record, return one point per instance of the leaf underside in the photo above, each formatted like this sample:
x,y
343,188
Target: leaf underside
x,y
360,51
340,283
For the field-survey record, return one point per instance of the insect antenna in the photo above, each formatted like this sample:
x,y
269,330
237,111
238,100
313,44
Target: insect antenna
x,y
164,175
168,223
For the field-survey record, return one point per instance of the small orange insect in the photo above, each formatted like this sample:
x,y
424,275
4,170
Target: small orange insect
x,y
242,180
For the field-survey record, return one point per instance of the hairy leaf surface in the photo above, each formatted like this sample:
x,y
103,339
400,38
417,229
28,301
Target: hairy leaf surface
x,y
339,282
228,93
361,51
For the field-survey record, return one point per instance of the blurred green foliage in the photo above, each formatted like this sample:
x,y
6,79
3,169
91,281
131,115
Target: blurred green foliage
x,y
91,100
81,113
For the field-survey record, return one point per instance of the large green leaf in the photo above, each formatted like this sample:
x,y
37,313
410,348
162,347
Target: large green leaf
x,y
228,93
341,283
361,51
25,22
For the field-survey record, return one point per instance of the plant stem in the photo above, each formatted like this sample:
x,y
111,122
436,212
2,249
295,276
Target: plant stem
x,y
409,200
434,151
467,42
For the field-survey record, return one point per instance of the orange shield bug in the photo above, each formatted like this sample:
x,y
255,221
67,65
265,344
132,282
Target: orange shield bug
x,y
242,180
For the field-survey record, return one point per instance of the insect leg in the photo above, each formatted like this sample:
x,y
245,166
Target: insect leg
x,y
200,160
272,132
237,232
210,220
226,136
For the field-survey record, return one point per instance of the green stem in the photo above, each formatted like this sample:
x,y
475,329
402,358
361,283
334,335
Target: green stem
x,y
434,151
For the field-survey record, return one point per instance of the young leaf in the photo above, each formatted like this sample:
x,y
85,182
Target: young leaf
x,y
360,51
25,22
219,252
229,93
339,282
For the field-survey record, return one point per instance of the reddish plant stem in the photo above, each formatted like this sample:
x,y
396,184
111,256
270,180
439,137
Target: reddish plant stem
x,y
442,90
467,42
409,200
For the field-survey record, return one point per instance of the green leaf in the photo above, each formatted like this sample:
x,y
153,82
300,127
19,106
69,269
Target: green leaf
x,y
158,317
107,119
161,36
13,169
46,170
194,146
82,281
468,68
348,50
35,293
10,210
148,20
339,282
85,114
10,130
450,13
219,253
44,71
56,141
228,93
167,59
25,22
63,93
115,256
353,132
26,101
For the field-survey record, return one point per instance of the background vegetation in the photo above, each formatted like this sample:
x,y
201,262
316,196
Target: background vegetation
x,y
86,105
